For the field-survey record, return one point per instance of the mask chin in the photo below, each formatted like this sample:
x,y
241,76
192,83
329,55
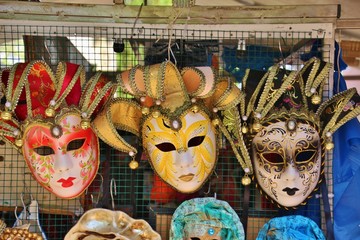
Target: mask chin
x,y
184,157
287,162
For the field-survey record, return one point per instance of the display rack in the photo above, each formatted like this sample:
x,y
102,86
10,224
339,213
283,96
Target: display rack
x,y
230,49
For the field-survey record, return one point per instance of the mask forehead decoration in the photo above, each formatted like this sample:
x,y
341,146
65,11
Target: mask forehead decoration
x,y
175,114
47,117
288,127
101,223
205,219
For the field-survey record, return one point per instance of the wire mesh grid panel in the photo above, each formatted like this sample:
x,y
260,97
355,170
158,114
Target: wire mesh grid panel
x,y
141,193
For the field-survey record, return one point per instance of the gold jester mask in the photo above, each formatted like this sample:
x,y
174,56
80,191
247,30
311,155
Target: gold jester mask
x,y
174,113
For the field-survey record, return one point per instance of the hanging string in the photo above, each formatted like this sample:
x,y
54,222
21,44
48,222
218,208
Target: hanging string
x,y
136,19
112,194
170,32
338,64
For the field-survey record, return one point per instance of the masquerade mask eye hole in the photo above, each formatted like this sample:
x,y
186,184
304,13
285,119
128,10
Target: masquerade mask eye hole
x,y
44,150
196,141
75,144
166,147
195,238
272,158
305,156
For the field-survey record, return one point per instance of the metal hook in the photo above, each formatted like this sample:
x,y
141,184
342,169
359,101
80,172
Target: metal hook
x,y
15,214
217,176
136,19
172,54
209,187
26,187
47,49
23,203
18,220
113,186
281,54
208,191
100,192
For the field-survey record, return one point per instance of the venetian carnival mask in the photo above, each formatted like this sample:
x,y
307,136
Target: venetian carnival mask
x,y
206,219
101,223
184,156
47,117
289,128
175,115
287,162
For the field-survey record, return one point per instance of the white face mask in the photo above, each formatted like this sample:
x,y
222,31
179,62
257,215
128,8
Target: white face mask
x,y
287,164
183,157
64,165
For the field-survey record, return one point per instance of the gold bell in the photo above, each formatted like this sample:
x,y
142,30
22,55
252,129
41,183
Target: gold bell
x,y
156,114
244,129
19,142
6,115
315,99
145,110
133,164
256,126
215,122
329,145
195,109
50,112
245,180
85,124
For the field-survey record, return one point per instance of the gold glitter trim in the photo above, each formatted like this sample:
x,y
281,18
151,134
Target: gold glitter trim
x,y
205,87
134,81
86,105
229,95
60,73
339,100
232,123
264,109
242,100
251,105
121,114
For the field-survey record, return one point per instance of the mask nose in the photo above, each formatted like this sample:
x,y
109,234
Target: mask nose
x,y
185,159
291,172
63,162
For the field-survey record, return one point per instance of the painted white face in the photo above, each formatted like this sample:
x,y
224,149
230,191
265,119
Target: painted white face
x,y
185,157
64,165
287,163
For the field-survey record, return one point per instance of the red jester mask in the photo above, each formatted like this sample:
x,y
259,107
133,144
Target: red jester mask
x,y
48,118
